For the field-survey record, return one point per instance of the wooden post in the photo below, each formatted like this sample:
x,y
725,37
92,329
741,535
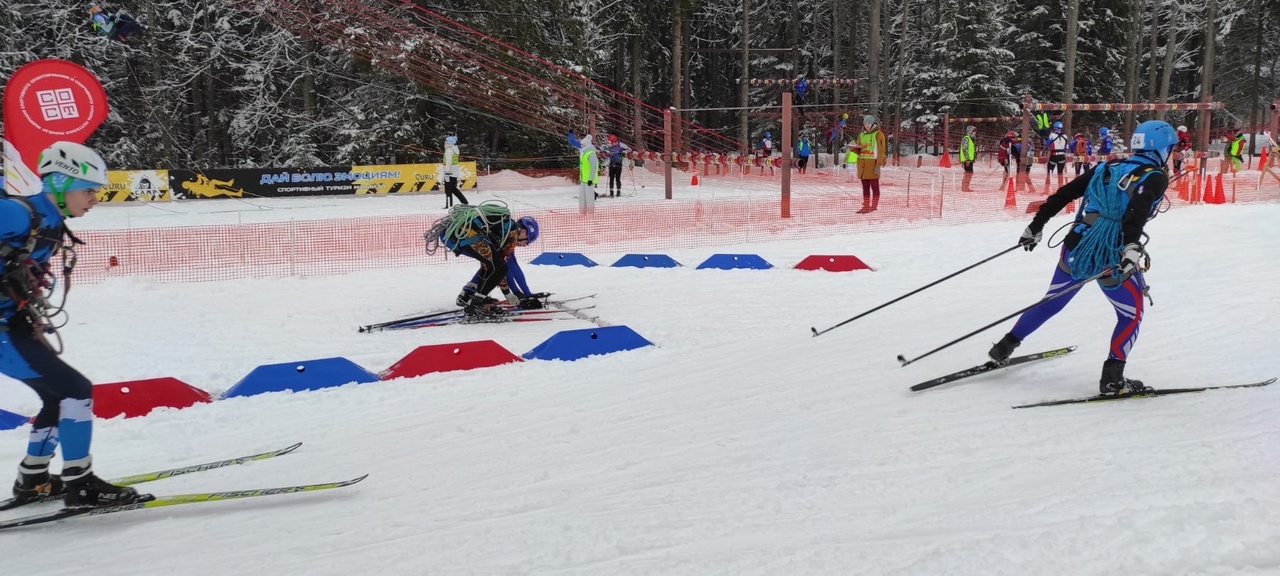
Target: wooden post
x,y
786,153
946,133
1025,152
667,157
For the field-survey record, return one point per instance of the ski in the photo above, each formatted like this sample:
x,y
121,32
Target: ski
x,y
507,316
177,500
1149,394
162,474
440,314
989,366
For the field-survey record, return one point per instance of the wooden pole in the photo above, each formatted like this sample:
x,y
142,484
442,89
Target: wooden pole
x,y
786,153
667,157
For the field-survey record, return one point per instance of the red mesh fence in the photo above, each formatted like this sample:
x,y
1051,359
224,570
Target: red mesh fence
x,y
737,209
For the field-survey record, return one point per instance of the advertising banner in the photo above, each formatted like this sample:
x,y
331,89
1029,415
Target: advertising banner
x,y
278,183
131,185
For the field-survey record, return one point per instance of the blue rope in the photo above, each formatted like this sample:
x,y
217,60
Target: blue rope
x,y
1099,246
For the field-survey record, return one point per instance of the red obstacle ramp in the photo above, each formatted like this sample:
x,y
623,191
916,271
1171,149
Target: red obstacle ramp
x,y
450,357
833,263
139,397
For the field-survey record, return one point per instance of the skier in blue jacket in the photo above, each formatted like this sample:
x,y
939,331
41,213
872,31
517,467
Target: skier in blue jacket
x,y
32,231
1118,198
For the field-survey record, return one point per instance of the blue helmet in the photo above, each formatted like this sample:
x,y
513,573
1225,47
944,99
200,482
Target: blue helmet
x,y
766,134
1057,126
451,140
1154,136
531,226
1103,131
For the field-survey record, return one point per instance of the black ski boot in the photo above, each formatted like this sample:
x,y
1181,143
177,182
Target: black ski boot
x,y
84,489
34,485
481,308
1114,383
1003,349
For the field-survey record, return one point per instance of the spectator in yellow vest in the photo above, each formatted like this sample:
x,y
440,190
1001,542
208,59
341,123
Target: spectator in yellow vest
x,y
871,153
968,152
1235,149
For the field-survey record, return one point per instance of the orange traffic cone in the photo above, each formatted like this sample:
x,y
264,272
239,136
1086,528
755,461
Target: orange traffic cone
x,y
1184,190
1207,197
1218,196
944,161
1010,198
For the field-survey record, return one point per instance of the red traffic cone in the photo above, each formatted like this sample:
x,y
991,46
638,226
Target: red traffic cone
x,y
694,181
1010,198
944,161
1218,196
1262,158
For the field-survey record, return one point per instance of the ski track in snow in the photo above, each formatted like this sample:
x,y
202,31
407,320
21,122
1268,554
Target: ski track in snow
x,y
738,445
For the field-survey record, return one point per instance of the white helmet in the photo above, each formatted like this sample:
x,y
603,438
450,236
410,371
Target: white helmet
x,y
74,160
1182,128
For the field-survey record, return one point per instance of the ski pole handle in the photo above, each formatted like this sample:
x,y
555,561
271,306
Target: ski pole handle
x,y
817,332
1069,290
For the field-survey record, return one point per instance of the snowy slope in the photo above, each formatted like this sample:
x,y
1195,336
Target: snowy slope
x,y
739,445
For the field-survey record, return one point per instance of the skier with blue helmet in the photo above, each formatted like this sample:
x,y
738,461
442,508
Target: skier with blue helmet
x,y
1118,198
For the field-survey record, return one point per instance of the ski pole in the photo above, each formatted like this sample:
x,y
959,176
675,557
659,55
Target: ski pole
x,y
817,332
1069,289
381,325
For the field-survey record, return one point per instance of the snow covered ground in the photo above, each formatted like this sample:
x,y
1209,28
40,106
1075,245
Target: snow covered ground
x,y
738,445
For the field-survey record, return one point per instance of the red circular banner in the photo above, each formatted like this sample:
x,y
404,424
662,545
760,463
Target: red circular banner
x,y
51,100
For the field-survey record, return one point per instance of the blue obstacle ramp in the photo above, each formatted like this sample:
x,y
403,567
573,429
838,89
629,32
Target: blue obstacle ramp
x,y
576,344
735,261
9,420
563,259
300,376
646,261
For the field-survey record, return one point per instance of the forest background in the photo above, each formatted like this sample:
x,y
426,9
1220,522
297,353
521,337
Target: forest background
x,y
211,84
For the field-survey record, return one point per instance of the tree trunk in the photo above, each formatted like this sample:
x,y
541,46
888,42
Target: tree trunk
x,y
1206,76
1256,92
744,79
1155,34
897,91
686,98
1069,82
638,130
873,57
1131,62
1170,47
837,33
794,39
677,71
309,78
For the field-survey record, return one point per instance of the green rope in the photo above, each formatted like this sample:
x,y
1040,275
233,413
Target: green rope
x,y
461,221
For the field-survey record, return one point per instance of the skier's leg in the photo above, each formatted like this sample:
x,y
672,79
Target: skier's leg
x,y
1032,319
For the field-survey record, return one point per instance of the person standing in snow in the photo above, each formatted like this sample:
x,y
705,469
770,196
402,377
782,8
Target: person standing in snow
x,y
1057,145
1118,199
617,151
452,171
32,231
871,153
588,171
803,150
968,154
1004,150
1081,150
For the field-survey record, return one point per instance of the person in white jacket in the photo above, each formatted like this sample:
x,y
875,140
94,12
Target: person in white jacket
x,y
452,172
588,169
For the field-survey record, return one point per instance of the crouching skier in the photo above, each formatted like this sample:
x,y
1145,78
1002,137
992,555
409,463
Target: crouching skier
x,y
32,230
1120,197
484,232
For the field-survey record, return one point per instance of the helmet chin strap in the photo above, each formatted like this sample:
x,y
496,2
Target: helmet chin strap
x,y
60,200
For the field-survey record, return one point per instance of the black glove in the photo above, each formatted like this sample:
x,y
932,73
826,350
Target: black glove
x,y
540,295
1030,238
530,304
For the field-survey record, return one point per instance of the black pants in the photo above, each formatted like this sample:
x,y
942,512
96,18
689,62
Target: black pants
x,y
451,190
1058,161
493,266
615,175
26,357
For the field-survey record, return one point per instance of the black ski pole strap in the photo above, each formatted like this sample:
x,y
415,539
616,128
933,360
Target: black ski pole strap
x,y
1069,290
817,332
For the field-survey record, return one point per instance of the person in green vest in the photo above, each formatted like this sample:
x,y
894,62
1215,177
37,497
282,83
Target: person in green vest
x,y
1235,149
968,152
851,160
588,169
871,153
